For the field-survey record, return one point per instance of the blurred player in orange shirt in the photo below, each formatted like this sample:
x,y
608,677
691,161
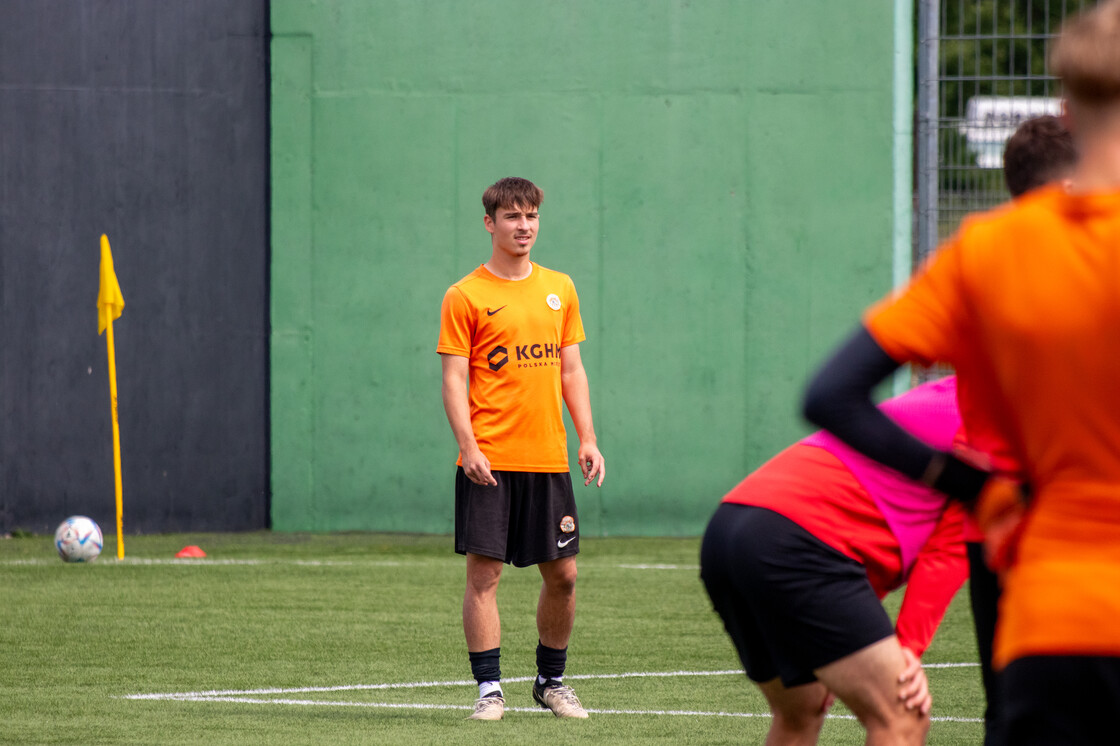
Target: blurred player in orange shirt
x,y
1024,303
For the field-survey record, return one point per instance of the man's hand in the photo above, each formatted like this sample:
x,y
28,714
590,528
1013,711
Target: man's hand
x,y
913,687
592,464
477,468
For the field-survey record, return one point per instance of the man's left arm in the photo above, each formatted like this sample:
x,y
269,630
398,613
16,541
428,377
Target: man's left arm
x,y
577,396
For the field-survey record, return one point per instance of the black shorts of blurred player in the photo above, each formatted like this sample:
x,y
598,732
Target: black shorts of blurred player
x,y
790,602
984,593
1061,700
526,519
808,627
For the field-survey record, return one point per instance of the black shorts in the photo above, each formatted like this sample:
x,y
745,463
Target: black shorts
x,y
790,602
984,592
528,518
1061,700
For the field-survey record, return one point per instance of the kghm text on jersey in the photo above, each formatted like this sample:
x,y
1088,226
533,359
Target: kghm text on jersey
x,y
537,352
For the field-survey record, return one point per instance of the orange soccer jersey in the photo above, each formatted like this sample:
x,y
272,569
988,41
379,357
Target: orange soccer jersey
x,y
1025,303
512,332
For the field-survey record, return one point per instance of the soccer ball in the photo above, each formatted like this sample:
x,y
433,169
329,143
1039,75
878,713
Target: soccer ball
x,y
78,539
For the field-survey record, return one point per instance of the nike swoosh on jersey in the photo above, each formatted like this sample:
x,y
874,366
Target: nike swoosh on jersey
x,y
491,313
561,543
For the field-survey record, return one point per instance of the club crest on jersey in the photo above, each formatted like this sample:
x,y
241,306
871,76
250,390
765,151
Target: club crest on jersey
x,y
567,524
553,301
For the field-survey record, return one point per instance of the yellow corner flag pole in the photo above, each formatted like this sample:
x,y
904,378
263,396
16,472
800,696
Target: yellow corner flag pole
x,y
110,305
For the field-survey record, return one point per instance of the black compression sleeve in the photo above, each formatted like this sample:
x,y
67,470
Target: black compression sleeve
x,y
838,399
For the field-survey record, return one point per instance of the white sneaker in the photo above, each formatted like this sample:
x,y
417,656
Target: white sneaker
x,y
490,707
559,698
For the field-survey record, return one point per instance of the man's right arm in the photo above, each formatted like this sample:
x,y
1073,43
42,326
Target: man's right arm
x,y
456,402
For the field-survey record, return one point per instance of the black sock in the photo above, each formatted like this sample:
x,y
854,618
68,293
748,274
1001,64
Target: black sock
x,y
485,665
550,661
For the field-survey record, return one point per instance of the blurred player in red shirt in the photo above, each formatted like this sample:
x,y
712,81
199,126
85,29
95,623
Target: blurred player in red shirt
x,y
798,556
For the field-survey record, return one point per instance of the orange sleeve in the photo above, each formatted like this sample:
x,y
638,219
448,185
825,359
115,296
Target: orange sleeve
x,y
456,324
572,333
937,575
920,324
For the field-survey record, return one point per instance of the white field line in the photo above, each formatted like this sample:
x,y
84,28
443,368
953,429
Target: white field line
x,y
464,682
425,684
207,561
467,708
246,696
204,561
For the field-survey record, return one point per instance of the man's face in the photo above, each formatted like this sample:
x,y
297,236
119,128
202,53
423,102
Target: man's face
x,y
513,229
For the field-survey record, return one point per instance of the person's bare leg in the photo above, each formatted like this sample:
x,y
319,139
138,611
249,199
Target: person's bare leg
x,y
556,608
798,712
867,681
481,622
556,613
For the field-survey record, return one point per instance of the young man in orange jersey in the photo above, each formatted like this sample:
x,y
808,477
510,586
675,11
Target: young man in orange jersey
x,y
509,340
1024,302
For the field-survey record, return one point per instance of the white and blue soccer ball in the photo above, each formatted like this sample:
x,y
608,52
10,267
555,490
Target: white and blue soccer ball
x,y
78,539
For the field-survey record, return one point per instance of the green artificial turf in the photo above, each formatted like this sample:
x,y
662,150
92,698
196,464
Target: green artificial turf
x,y
357,639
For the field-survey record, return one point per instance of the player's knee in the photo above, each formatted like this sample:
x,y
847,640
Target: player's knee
x,y
561,579
482,579
914,729
564,583
903,726
797,725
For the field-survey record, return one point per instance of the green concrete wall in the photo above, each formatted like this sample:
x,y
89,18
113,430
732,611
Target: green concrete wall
x,y
718,180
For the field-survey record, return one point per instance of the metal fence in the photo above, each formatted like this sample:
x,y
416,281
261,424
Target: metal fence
x,y
981,71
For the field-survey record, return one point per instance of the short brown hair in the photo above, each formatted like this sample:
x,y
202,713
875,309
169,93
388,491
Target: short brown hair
x,y
1086,55
509,192
1040,151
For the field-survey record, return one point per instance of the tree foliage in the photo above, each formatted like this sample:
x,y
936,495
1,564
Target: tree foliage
x,y
998,48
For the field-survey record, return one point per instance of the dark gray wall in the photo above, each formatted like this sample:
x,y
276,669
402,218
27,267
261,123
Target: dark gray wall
x,y
147,121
